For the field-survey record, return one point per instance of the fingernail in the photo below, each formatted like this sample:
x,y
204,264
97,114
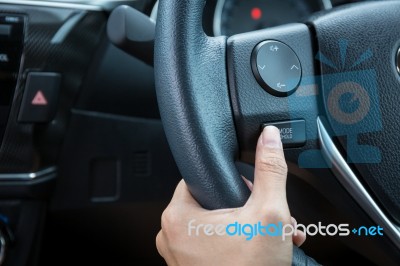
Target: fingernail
x,y
294,222
248,183
271,137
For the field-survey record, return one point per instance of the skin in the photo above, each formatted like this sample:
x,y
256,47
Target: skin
x,y
267,204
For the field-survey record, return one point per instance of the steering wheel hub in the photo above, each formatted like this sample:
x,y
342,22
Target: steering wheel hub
x,y
357,81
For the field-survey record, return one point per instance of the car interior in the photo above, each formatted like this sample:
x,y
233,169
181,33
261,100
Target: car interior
x,y
107,104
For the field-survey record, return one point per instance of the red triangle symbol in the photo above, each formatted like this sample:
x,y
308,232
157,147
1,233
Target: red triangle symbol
x,y
39,99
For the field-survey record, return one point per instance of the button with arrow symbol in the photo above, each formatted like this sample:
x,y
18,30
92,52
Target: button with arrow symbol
x,y
280,85
261,67
276,68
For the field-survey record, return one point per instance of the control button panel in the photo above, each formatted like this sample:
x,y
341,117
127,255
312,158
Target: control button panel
x,y
276,68
293,133
11,28
11,47
39,102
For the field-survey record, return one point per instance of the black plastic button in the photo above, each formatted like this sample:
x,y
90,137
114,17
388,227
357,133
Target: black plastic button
x,y
293,133
40,97
11,29
5,31
276,68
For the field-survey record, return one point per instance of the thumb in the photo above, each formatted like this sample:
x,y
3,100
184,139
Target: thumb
x,y
270,171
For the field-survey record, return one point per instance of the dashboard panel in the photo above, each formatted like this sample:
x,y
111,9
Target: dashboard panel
x,y
236,16
230,17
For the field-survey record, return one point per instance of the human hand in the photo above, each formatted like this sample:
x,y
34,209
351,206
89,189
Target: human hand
x,y
185,240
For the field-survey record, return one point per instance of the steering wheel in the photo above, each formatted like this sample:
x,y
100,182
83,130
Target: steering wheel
x,y
332,80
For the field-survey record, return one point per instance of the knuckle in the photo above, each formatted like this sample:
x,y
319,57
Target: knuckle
x,y
168,218
160,243
273,164
171,223
275,214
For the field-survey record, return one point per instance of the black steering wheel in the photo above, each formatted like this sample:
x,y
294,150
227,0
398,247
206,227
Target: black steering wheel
x,y
336,73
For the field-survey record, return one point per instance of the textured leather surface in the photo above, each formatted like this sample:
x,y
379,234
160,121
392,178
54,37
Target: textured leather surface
x,y
374,27
253,106
194,104
301,259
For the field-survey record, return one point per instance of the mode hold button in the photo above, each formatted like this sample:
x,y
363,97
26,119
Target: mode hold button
x,y
293,133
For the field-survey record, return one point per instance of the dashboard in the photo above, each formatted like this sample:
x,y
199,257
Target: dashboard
x,y
236,16
230,17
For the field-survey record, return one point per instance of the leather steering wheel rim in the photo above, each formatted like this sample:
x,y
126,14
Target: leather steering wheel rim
x,y
191,81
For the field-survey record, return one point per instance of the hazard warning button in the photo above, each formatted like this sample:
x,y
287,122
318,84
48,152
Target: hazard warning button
x,y
40,97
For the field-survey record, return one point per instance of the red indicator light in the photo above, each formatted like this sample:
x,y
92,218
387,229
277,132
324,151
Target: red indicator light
x,y
256,13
